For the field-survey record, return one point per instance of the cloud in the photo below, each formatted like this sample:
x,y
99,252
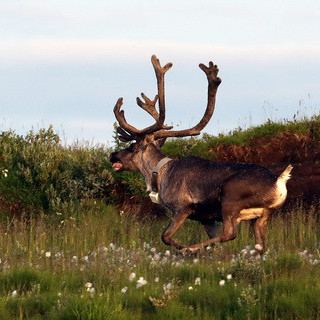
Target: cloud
x,y
103,51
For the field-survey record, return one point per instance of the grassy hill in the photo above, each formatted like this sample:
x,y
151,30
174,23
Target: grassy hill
x,y
38,173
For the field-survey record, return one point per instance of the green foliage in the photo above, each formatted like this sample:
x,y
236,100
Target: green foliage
x,y
37,171
66,267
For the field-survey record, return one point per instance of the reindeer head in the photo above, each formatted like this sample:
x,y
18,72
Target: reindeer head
x,y
149,140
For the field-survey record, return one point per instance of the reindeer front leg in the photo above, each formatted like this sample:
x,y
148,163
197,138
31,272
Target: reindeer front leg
x,y
176,222
229,232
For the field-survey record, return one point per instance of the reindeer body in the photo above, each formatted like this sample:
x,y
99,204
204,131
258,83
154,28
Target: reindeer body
x,y
195,188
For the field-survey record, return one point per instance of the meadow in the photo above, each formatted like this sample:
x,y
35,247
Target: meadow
x,y
70,250
90,262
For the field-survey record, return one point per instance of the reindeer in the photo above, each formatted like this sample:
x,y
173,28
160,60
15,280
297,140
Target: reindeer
x,y
196,188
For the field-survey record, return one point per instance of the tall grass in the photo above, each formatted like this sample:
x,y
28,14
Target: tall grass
x,y
77,266
67,253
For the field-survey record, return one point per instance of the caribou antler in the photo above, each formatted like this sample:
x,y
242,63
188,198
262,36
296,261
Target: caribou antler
x,y
128,132
159,129
213,83
149,106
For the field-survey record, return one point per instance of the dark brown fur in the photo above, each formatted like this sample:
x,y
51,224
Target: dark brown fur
x,y
195,188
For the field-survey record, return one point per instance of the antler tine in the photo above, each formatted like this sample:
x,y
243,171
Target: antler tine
x,y
149,106
213,84
125,136
160,72
119,114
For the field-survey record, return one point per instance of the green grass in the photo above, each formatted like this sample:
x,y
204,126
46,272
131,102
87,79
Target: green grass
x,y
77,266
66,253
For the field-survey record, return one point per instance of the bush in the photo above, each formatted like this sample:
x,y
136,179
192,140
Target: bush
x,y
37,171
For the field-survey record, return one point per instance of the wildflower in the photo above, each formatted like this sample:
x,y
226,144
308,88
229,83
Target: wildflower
x,y
14,293
167,253
58,255
74,258
141,282
195,260
112,246
197,281
175,264
132,276
48,254
5,172
229,276
156,279
222,283
153,250
190,288
124,290
168,286
156,257
88,285
85,259
92,291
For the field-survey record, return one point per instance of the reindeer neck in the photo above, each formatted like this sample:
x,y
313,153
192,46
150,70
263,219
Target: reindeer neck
x,y
149,161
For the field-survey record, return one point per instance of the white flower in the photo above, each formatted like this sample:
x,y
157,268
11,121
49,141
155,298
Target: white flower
x,y
124,290
222,283
168,286
112,246
229,276
132,276
190,288
92,291
5,172
88,285
197,281
85,258
153,250
74,258
156,257
167,253
156,279
48,254
195,260
14,293
141,282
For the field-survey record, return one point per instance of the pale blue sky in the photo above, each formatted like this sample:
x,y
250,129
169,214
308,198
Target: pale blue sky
x,y
66,62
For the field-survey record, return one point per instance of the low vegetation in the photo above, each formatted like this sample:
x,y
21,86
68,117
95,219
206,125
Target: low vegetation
x,y
67,253
38,173
90,262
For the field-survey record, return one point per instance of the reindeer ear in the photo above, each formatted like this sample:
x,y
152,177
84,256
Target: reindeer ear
x,y
160,142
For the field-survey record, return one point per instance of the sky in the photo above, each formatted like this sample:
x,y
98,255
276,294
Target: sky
x,y
65,63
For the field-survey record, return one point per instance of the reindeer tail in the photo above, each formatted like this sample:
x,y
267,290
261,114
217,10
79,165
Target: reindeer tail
x,y
285,175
